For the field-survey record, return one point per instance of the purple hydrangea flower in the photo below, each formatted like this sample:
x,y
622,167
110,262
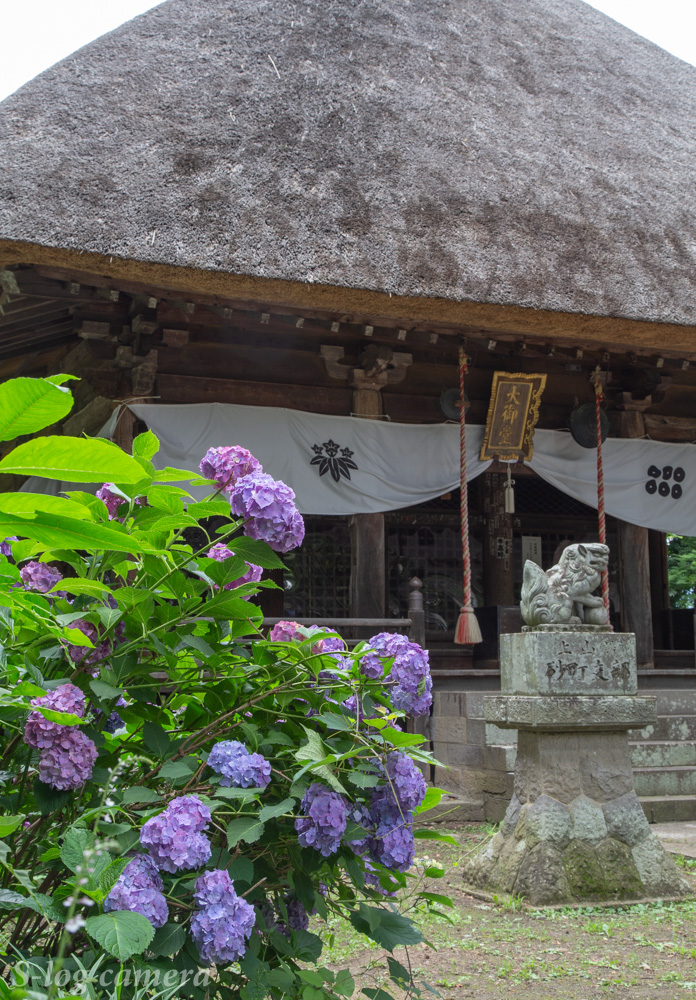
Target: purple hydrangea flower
x,y
412,685
407,788
141,872
373,879
88,655
149,902
227,465
223,922
238,766
268,507
42,733
174,838
220,552
335,647
140,889
112,499
298,918
39,576
324,820
360,815
284,632
69,761
393,844
6,548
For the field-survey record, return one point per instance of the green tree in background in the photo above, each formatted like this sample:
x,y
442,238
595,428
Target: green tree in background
x,y
681,561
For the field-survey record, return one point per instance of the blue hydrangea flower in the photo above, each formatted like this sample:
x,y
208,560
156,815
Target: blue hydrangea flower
x,y
140,889
174,838
68,762
268,507
88,655
6,548
323,822
223,922
238,766
406,785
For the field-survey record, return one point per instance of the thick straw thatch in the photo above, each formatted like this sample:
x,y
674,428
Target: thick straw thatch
x,y
529,152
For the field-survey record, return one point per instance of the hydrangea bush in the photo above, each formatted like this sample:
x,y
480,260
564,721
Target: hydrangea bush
x,y
180,790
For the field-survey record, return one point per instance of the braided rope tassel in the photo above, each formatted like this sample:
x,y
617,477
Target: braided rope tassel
x,y
599,398
467,630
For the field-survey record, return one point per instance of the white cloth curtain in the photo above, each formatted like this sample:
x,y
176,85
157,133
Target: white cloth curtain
x,y
399,465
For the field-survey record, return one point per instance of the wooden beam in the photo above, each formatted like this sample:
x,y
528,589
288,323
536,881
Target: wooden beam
x,y
317,399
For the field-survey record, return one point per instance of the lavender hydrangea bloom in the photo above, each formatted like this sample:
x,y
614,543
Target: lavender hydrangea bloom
x,y
41,733
141,872
412,685
140,889
223,922
219,552
112,500
227,465
393,843
87,655
174,838
324,820
69,761
335,647
39,576
6,548
407,788
268,507
238,766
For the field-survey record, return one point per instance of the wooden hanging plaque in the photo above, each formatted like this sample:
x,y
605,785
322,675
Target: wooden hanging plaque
x,y
512,415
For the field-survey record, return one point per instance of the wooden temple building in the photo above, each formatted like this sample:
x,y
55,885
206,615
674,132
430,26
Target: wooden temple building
x,y
309,206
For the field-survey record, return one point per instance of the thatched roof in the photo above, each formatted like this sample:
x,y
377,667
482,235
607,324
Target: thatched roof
x,y
533,153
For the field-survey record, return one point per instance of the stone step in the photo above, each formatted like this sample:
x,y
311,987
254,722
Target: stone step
x,y
663,754
669,809
495,758
675,702
668,727
662,781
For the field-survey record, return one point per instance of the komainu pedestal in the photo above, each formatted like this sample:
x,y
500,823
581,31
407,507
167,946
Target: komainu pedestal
x,y
574,830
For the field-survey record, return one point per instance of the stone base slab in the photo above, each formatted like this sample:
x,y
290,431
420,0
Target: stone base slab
x,y
569,712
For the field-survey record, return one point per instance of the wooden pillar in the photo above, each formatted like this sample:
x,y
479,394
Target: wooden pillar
x,y
634,566
367,539
498,565
659,589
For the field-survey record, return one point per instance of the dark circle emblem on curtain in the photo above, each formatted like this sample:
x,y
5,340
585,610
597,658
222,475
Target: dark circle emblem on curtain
x,y
665,482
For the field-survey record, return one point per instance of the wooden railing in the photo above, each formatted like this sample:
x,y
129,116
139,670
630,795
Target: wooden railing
x,y
414,624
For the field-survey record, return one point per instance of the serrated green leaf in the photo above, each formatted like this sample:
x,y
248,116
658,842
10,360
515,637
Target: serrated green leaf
x,y
76,460
9,823
69,533
434,835
168,940
244,828
146,445
255,551
10,900
105,691
436,897
139,793
174,769
209,508
28,405
273,811
156,739
344,984
432,798
387,928
76,585
122,933
27,504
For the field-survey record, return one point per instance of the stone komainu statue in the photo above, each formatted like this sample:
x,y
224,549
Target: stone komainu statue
x,y
563,594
